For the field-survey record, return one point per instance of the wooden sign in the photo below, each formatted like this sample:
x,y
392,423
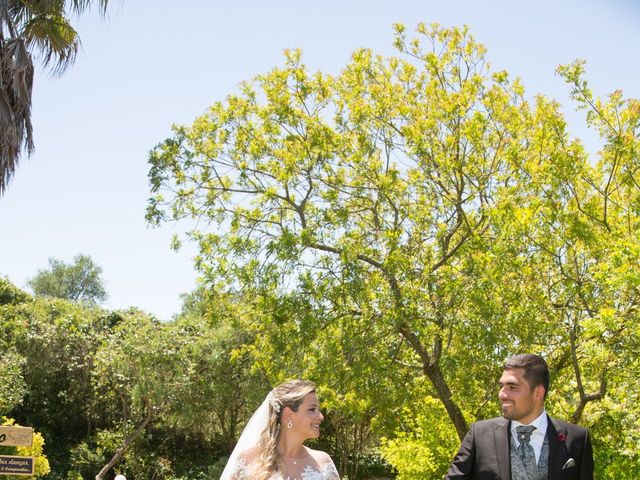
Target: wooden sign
x,y
16,436
12,465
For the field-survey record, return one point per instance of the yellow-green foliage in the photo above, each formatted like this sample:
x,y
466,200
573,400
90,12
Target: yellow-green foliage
x,y
423,447
41,463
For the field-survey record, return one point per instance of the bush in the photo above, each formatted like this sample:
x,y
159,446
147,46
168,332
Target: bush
x,y
424,448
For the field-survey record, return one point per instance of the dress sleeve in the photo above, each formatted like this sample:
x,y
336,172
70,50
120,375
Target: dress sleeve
x,y
331,472
240,470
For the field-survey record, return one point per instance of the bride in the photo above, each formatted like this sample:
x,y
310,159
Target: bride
x,y
271,446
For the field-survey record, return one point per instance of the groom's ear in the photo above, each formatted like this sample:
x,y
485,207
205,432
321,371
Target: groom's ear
x,y
538,392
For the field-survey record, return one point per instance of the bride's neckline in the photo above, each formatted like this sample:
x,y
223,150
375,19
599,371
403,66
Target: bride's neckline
x,y
295,459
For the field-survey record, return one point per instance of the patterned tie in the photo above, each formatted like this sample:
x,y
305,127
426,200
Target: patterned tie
x,y
525,450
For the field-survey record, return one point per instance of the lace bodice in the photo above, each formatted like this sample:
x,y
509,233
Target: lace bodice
x,y
306,472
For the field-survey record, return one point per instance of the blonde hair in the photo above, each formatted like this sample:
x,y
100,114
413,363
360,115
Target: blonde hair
x,y
289,394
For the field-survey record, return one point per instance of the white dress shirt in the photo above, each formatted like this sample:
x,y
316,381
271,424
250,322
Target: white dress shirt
x,y
537,436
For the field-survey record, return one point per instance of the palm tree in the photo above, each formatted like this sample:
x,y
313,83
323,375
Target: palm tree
x,y
28,28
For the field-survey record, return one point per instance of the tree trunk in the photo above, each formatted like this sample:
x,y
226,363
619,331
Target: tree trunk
x,y
432,371
444,394
127,441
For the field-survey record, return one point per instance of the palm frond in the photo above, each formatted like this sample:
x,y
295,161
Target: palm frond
x,y
18,11
16,85
55,39
22,73
27,26
8,142
80,6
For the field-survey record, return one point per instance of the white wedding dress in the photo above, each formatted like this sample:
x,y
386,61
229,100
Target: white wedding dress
x,y
302,472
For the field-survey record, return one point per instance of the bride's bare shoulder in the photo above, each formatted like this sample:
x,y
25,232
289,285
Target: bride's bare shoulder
x,y
249,456
245,464
320,457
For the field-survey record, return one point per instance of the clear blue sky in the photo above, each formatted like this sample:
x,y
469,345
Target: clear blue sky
x,y
154,63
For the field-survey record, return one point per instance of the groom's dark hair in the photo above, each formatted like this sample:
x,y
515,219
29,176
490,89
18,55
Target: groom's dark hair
x,y
536,370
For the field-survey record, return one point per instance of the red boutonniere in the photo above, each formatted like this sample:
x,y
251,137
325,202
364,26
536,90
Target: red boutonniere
x,y
562,436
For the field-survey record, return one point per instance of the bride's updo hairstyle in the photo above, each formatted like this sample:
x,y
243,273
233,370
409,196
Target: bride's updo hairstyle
x,y
289,394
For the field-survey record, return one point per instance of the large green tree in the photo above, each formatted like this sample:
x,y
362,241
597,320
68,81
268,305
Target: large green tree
x,y
419,215
27,28
78,281
12,382
50,385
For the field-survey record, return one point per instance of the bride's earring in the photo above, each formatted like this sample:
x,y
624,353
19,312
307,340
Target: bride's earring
x,y
289,424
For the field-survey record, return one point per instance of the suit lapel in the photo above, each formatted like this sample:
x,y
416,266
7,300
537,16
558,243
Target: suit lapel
x,y
502,445
558,454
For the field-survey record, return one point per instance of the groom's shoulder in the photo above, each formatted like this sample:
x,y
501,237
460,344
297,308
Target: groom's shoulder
x,y
500,421
567,426
489,423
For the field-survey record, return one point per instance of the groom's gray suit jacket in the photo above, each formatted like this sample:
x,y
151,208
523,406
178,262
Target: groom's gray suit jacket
x,y
484,452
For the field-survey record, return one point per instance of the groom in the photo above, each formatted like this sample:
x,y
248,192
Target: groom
x,y
525,443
